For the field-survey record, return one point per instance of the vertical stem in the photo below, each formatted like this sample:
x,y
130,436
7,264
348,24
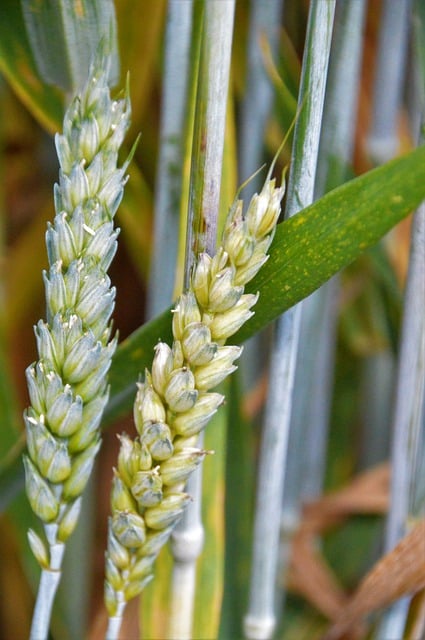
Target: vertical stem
x,y
265,20
169,174
311,98
207,157
260,620
377,391
48,586
314,372
383,138
49,582
408,424
209,130
114,622
340,112
311,403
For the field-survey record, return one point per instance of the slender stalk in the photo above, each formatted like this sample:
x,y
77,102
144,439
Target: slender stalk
x,y
204,201
209,131
49,582
383,139
186,547
169,173
408,411
408,424
265,21
314,373
340,112
115,621
73,596
416,62
260,620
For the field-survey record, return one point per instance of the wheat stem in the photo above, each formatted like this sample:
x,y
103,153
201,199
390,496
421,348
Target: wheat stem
x,y
383,139
204,202
49,582
264,25
408,424
315,360
170,169
259,622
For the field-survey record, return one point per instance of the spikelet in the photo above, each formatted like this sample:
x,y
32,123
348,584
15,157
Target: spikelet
x,y
174,402
68,384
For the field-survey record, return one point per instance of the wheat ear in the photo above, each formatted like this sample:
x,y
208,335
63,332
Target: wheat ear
x,y
68,385
174,402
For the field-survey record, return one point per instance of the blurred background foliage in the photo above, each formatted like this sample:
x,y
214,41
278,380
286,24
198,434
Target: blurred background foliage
x,y
369,312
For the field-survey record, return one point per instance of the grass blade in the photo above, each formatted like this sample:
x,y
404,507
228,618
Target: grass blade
x,y
45,103
64,39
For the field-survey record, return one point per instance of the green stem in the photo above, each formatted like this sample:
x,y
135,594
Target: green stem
x,y
115,622
209,129
314,369
408,425
49,582
389,79
168,186
260,621
204,202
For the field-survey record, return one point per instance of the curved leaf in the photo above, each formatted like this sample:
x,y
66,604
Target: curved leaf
x,y
64,37
18,66
307,250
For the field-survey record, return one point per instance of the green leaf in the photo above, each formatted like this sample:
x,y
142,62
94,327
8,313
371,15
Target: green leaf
x,y
51,42
140,36
64,36
18,66
240,462
307,250
210,568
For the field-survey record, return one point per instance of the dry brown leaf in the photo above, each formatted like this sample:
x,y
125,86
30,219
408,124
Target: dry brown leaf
x,y
398,573
311,577
367,493
254,400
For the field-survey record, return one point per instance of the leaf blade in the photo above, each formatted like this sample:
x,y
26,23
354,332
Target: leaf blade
x,y
307,250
